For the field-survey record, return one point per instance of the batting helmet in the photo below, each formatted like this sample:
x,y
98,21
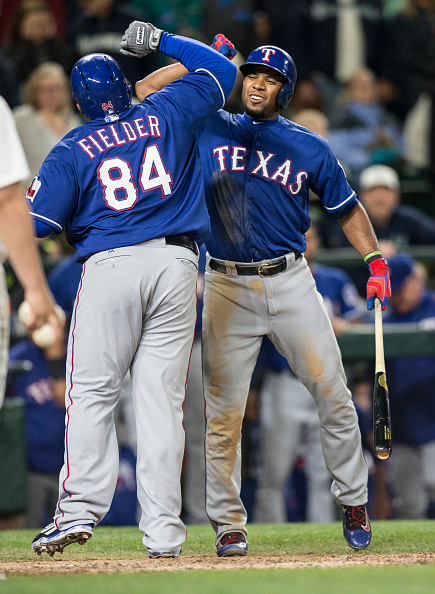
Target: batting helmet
x,y
279,60
99,86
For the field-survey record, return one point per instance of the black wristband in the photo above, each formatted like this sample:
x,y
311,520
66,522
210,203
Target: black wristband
x,y
57,368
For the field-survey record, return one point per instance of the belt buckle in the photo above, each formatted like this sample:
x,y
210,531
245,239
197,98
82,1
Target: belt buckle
x,y
265,265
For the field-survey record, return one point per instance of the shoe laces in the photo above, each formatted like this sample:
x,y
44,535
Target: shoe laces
x,y
355,515
231,538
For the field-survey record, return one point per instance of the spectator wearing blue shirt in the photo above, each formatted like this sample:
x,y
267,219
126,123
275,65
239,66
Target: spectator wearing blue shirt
x,y
43,392
411,381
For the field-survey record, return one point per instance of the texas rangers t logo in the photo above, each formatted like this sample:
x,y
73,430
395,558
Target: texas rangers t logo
x,y
267,51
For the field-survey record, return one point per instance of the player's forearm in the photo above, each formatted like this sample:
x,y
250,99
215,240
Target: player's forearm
x,y
195,55
16,231
158,79
359,231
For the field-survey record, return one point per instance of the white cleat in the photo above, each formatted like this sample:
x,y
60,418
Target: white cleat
x,y
52,540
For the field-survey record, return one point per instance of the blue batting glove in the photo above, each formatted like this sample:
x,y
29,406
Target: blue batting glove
x,y
224,46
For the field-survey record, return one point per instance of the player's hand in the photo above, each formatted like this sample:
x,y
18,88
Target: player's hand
x,y
378,284
140,39
224,46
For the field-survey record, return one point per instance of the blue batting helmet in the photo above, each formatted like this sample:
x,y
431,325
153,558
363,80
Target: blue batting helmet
x,y
279,60
99,86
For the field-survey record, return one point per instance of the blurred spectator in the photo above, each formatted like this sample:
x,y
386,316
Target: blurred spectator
x,y
43,392
233,18
402,225
289,421
34,39
59,8
8,82
313,119
413,51
362,131
411,380
329,41
413,55
100,26
391,7
46,114
174,16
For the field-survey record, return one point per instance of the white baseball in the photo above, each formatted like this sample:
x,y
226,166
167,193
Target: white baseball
x,y
44,336
25,314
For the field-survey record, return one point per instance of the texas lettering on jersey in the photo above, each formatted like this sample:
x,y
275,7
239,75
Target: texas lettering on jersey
x,y
264,167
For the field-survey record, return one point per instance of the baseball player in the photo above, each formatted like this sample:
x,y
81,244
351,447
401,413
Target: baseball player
x,y
258,169
17,235
126,187
288,413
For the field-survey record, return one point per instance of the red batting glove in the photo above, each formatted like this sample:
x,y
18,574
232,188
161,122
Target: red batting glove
x,y
378,284
224,46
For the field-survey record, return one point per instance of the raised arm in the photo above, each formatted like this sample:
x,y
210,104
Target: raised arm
x,y
141,38
359,231
158,79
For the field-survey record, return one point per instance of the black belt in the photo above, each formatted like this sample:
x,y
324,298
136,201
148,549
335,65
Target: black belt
x,y
265,268
183,241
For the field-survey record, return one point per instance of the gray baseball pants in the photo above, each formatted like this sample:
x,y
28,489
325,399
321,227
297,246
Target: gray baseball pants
x,y
238,312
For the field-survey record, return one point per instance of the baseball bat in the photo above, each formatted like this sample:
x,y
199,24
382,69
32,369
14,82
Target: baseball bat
x,y
381,398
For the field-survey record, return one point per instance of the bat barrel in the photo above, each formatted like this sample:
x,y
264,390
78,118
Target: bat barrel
x,y
381,418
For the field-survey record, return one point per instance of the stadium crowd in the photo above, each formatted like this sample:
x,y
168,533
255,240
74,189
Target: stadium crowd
x,y
366,82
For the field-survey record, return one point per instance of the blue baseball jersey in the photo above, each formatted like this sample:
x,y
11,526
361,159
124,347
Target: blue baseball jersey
x,y
340,297
63,281
258,174
134,176
44,419
411,382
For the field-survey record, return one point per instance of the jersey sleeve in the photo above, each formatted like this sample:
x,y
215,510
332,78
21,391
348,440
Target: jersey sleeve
x,y
331,186
53,194
13,163
189,101
195,56
202,91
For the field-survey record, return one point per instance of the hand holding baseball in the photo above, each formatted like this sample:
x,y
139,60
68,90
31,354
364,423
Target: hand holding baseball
x,y
46,334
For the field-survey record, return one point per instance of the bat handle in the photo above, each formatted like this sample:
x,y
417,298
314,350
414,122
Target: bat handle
x,y
379,339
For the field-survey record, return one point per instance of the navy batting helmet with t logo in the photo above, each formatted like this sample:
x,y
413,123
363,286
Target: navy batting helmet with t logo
x,y
99,86
279,60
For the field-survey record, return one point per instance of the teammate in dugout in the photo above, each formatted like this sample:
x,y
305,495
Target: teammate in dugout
x,y
126,187
258,169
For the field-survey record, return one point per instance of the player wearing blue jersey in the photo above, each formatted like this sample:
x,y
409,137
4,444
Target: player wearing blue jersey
x,y
126,187
411,380
258,169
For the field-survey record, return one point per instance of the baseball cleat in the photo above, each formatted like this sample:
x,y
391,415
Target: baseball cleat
x,y
52,540
165,555
356,526
232,544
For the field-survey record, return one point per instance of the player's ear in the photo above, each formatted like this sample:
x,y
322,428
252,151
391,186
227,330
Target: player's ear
x,y
80,109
